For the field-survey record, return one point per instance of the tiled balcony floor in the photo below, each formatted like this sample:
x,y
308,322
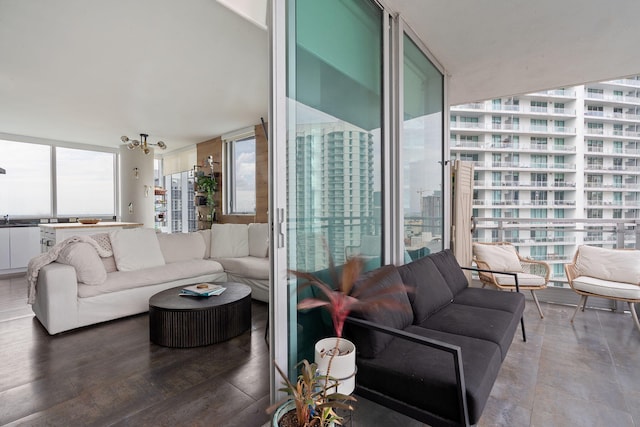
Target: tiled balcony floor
x,y
586,374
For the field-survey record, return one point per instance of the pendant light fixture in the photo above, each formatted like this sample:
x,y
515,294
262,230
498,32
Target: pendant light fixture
x,y
142,143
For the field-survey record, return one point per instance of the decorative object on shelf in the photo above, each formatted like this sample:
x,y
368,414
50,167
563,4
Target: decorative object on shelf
x,y
206,186
142,143
160,204
88,220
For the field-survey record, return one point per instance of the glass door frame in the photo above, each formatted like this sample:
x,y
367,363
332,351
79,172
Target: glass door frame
x,y
279,128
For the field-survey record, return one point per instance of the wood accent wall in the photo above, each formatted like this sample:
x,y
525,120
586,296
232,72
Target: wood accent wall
x,y
214,147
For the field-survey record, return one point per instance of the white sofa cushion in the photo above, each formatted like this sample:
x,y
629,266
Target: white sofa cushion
x,y
249,267
176,247
86,261
229,240
136,248
258,239
606,287
609,264
206,236
499,257
121,280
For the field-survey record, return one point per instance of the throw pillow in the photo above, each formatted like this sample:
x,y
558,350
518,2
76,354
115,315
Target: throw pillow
x,y
229,240
368,342
448,266
136,248
178,247
206,237
258,239
499,257
86,261
109,264
427,289
103,240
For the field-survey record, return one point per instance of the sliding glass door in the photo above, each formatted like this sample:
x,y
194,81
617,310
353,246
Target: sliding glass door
x,y
334,166
356,152
422,153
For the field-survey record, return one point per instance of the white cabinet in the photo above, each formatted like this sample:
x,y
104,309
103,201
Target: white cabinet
x,y
5,249
17,246
25,244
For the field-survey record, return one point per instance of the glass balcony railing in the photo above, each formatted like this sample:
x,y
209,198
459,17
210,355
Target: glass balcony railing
x,y
555,240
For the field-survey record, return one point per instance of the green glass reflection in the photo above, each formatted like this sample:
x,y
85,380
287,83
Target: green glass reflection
x,y
422,154
333,148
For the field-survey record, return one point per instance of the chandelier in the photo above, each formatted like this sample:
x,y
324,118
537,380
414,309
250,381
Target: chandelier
x,y
142,143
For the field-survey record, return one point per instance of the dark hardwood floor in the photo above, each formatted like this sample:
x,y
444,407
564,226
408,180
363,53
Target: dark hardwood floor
x,y
580,374
110,374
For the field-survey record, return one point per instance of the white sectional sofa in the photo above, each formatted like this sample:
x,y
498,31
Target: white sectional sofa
x,y
81,289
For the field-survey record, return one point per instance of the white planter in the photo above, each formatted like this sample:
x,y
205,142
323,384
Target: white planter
x,y
283,409
343,366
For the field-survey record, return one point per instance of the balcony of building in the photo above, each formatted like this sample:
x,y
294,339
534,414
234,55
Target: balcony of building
x,y
613,98
523,166
554,93
521,109
614,117
517,128
507,145
522,185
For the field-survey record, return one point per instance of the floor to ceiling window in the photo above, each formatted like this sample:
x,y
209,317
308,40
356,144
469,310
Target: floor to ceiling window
x,y
422,166
333,152
56,181
352,173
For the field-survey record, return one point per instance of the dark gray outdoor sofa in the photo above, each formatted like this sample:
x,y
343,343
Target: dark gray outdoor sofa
x,y
437,360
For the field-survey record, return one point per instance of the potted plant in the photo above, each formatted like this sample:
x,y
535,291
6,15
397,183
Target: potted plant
x,y
309,402
207,184
340,302
333,373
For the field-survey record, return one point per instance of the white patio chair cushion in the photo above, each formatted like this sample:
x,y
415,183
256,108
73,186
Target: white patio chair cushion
x,y
498,257
607,287
524,279
609,264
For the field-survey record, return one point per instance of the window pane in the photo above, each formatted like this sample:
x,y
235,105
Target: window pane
x,y
242,184
334,164
181,210
25,189
85,182
422,154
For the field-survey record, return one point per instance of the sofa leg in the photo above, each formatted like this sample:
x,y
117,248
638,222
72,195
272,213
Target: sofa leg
x,y
524,335
535,298
583,302
634,314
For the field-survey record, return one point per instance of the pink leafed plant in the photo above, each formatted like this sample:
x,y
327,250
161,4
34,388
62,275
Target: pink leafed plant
x,y
344,299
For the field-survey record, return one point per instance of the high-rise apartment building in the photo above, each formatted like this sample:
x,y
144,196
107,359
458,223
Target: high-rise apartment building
x,y
571,153
340,194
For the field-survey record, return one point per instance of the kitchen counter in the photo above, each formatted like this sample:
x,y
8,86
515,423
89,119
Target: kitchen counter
x,y
50,234
77,225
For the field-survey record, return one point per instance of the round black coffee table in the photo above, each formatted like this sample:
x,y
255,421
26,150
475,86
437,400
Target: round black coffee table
x,y
185,321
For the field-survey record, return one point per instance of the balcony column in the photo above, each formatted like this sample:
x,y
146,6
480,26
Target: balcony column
x,y
136,186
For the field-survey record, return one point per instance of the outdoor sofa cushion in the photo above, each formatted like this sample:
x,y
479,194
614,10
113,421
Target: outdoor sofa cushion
x,y
424,377
370,343
427,290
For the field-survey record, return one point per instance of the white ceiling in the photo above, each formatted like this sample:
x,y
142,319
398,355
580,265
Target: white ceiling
x,y
492,48
89,71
